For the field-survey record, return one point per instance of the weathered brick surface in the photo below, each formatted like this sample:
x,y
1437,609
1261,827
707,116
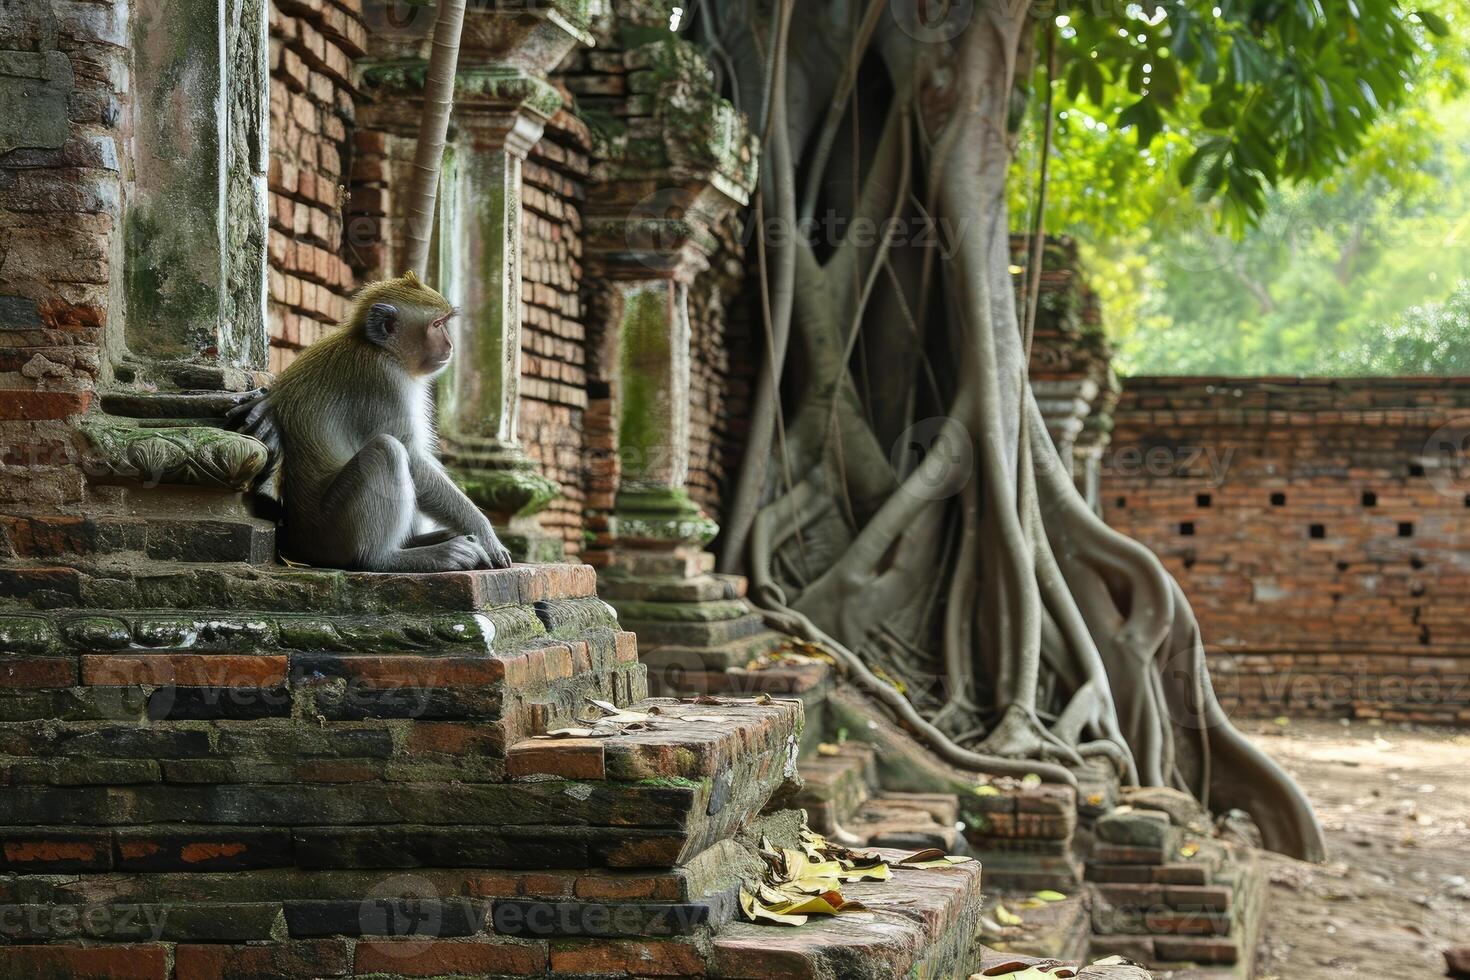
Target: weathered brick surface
x,y
1317,527
288,961
140,962
553,332
923,925
65,79
312,106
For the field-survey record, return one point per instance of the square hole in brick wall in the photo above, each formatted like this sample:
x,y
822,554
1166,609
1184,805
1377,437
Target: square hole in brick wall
x,y
1202,500
1416,469
1122,502
1406,529
1187,529
1317,530
1467,500
1278,500
1370,499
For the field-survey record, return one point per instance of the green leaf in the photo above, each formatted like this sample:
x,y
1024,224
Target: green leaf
x,y
1434,22
1145,115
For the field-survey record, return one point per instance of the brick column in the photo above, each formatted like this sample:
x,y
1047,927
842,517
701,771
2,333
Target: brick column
x,y
1065,405
194,242
675,165
479,264
502,105
193,255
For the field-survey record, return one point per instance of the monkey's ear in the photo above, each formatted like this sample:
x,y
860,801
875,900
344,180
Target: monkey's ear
x,y
380,323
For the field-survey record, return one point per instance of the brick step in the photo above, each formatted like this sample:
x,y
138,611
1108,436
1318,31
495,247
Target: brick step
x,y
616,588
910,821
923,923
212,906
675,669
1188,932
146,709
837,780
647,798
695,633
129,585
49,537
1059,930
514,651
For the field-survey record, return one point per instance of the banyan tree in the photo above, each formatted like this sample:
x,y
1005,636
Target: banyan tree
x,y
900,501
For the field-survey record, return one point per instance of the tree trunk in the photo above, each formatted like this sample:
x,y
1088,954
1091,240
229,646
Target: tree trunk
x,y
1030,636
429,151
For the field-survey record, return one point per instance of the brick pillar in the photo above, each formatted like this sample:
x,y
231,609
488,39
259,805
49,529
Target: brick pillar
x,y
1065,405
193,256
194,241
502,105
647,345
683,163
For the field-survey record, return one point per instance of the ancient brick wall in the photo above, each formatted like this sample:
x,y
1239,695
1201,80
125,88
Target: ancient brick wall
x,y
64,81
313,45
1320,528
722,370
553,332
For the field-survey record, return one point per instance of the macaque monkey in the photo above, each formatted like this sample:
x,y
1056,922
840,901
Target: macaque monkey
x,y
351,420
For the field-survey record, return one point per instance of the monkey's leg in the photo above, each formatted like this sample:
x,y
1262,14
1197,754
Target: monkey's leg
x,y
371,505
431,537
441,499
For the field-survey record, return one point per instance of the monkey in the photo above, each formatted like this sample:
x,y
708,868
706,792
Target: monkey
x,y
349,421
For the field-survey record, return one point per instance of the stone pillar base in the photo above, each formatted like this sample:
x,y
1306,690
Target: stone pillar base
x,y
690,621
506,486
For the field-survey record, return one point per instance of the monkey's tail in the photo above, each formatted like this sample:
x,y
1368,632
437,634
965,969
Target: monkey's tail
x,y
253,417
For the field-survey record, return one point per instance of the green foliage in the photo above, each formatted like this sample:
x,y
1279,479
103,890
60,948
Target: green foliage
x,y
1433,339
1261,91
1325,267
1257,187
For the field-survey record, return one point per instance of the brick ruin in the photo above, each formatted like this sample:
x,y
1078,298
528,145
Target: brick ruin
x,y
1319,527
216,765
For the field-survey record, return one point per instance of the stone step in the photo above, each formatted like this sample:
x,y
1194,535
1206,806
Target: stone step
x,y
910,821
693,633
919,923
1203,932
691,777
837,780
1057,930
129,585
504,654
237,906
49,537
617,588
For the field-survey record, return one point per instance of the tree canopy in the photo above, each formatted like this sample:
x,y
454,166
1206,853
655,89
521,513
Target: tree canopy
x,y
1258,187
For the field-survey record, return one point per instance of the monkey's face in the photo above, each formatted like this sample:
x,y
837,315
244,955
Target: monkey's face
x,y
419,336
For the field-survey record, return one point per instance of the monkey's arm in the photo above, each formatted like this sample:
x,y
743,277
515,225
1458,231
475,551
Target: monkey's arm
x,y
253,417
446,503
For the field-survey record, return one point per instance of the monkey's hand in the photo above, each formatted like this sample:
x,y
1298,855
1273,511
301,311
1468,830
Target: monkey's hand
x,y
463,553
498,554
253,417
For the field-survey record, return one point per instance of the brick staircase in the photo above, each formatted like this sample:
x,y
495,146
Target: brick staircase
x,y
1168,893
225,769
868,783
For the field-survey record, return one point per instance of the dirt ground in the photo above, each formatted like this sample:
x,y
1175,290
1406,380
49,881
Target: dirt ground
x,y
1395,804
